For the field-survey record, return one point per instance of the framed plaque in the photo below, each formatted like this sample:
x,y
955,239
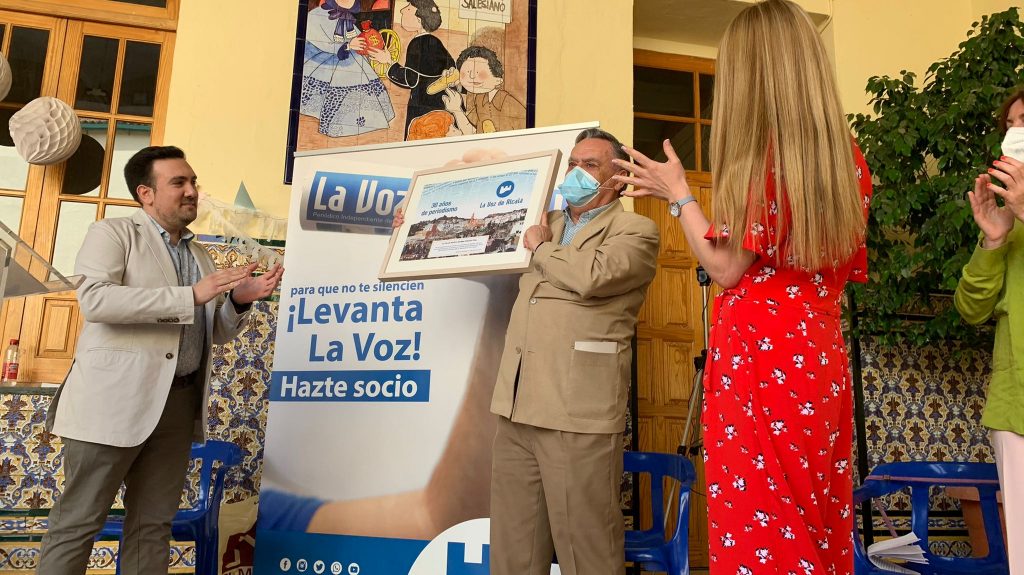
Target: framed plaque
x,y
469,219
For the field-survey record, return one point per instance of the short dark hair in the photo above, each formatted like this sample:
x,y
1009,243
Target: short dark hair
x,y
138,171
599,134
1004,110
428,13
487,54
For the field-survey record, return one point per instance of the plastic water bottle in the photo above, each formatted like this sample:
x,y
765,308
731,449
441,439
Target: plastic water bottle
x,y
10,368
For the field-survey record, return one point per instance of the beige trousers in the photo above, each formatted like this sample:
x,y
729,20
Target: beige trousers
x,y
556,492
1008,448
153,474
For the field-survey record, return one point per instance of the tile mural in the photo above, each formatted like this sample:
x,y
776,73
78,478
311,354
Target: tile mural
x,y
925,404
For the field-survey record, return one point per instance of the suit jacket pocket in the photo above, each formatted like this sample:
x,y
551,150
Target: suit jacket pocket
x,y
109,360
594,386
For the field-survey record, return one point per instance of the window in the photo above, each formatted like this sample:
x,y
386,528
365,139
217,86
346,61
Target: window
x,y
115,77
672,99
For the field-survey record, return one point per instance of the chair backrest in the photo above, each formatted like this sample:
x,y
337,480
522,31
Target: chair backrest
x,y
210,481
659,466
919,478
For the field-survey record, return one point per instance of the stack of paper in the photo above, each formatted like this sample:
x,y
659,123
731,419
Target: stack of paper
x,y
902,548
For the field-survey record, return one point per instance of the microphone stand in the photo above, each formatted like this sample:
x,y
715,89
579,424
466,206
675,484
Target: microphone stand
x,y
691,442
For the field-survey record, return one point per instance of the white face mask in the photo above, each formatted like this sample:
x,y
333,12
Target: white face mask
x,y
1013,144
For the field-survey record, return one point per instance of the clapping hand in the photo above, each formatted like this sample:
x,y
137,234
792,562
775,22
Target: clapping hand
x,y
220,281
995,221
1010,173
253,288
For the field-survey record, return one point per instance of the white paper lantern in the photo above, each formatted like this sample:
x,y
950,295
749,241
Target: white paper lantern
x,y
5,76
46,131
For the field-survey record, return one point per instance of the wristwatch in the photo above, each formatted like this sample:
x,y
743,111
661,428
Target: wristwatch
x,y
674,208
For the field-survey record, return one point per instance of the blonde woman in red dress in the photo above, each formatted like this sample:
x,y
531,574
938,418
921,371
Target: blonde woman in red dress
x,y
791,184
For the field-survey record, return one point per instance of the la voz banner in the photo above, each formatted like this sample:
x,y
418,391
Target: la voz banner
x,y
377,452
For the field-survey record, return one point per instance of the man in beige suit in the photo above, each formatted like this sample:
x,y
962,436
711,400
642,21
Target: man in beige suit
x,y
136,394
564,377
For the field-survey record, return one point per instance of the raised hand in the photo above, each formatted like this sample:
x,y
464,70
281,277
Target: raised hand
x,y
253,288
220,281
1010,173
995,221
452,100
664,180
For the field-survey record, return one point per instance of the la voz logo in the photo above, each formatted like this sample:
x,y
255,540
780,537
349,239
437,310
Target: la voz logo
x,y
356,199
505,188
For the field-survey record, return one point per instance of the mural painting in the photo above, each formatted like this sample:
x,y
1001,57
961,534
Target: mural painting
x,y
383,71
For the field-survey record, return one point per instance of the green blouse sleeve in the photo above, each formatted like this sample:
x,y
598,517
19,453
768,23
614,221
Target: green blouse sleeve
x,y
981,285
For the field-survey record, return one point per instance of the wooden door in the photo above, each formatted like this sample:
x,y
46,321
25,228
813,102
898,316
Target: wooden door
x,y
673,99
670,335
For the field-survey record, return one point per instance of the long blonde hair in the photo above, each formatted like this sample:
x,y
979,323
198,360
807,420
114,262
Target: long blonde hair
x,y
777,107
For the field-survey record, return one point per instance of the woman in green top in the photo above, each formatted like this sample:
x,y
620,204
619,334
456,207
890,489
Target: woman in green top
x,y
992,286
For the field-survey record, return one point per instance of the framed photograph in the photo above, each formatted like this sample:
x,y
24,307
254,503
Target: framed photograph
x,y
469,219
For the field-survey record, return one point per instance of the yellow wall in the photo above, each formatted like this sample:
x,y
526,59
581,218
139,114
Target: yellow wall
x,y
231,82
228,100
881,37
983,7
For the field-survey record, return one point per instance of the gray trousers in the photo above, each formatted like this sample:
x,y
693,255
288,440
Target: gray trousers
x,y
154,476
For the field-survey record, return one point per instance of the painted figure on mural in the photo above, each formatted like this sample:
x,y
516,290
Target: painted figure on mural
x,y
426,59
338,84
486,107
433,124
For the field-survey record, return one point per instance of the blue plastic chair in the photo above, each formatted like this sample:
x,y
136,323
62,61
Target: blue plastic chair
x,y
919,478
651,548
198,523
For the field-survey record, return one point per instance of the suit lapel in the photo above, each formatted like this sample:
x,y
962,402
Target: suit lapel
x,y
596,225
148,230
557,223
199,253
206,266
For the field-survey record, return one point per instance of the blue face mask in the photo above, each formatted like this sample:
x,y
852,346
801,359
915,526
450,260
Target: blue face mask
x,y
578,188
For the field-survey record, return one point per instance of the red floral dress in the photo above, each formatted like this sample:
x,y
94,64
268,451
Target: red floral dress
x,y
777,417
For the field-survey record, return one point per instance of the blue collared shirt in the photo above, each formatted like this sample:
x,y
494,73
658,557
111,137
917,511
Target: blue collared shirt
x,y
193,336
571,228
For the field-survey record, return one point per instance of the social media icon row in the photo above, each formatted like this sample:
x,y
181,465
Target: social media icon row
x,y
319,567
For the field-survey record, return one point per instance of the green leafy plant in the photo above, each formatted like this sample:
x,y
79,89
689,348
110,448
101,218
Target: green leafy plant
x,y
924,147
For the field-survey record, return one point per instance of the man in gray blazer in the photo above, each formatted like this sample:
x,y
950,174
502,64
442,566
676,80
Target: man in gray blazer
x,y
135,398
564,377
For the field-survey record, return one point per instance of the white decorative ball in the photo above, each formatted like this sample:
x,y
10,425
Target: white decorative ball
x,y
46,131
5,76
